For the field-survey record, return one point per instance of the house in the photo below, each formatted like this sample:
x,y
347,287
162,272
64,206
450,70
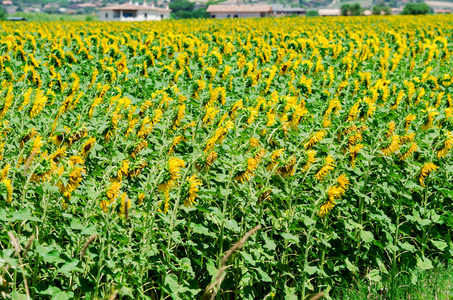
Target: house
x,y
329,12
134,12
239,11
281,10
396,11
442,11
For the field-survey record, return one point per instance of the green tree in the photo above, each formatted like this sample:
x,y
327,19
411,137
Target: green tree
x,y
378,9
345,8
355,9
2,13
416,9
312,13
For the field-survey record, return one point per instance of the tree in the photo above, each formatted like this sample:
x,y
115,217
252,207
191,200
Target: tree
x,y
2,13
416,9
378,9
312,13
345,9
355,9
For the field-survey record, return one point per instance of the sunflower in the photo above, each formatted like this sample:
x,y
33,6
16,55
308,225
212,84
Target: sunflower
x,y
136,169
247,170
113,191
171,174
447,145
354,138
5,171
265,194
254,142
287,168
353,153
190,190
333,193
308,158
138,148
329,164
6,190
125,205
391,145
429,118
124,170
44,170
407,150
275,155
315,138
391,129
408,121
343,182
87,146
425,171
410,137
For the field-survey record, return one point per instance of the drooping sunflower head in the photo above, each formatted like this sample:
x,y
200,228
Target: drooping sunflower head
x,y
6,190
190,190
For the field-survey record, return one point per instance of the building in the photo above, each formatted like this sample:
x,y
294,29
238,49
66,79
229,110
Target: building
x,y
440,7
239,11
329,12
281,10
134,12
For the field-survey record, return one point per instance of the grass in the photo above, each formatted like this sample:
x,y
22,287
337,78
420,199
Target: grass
x,y
436,284
54,17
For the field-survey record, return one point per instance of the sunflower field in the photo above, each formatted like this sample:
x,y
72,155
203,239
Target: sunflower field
x,y
134,156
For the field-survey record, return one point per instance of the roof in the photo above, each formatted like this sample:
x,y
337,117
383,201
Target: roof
x,y
329,12
439,4
239,8
7,2
281,7
128,6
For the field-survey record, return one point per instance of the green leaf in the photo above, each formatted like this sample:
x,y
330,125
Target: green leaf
x,y
441,245
90,230
62,296
76,225
264,276
367,236
24,215
248,258
171,280
424,263
16,296
290,293
53,257
374,276
211,268
411,185
70,266
350,266
310,270
290,237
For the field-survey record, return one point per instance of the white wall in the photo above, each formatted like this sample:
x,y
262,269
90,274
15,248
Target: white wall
x,y
239,15
151,15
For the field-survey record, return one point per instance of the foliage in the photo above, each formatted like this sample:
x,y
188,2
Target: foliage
x,y
436,283
183,9
134,155
2,13
54,17
351,10
312,13
416,9
377,10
